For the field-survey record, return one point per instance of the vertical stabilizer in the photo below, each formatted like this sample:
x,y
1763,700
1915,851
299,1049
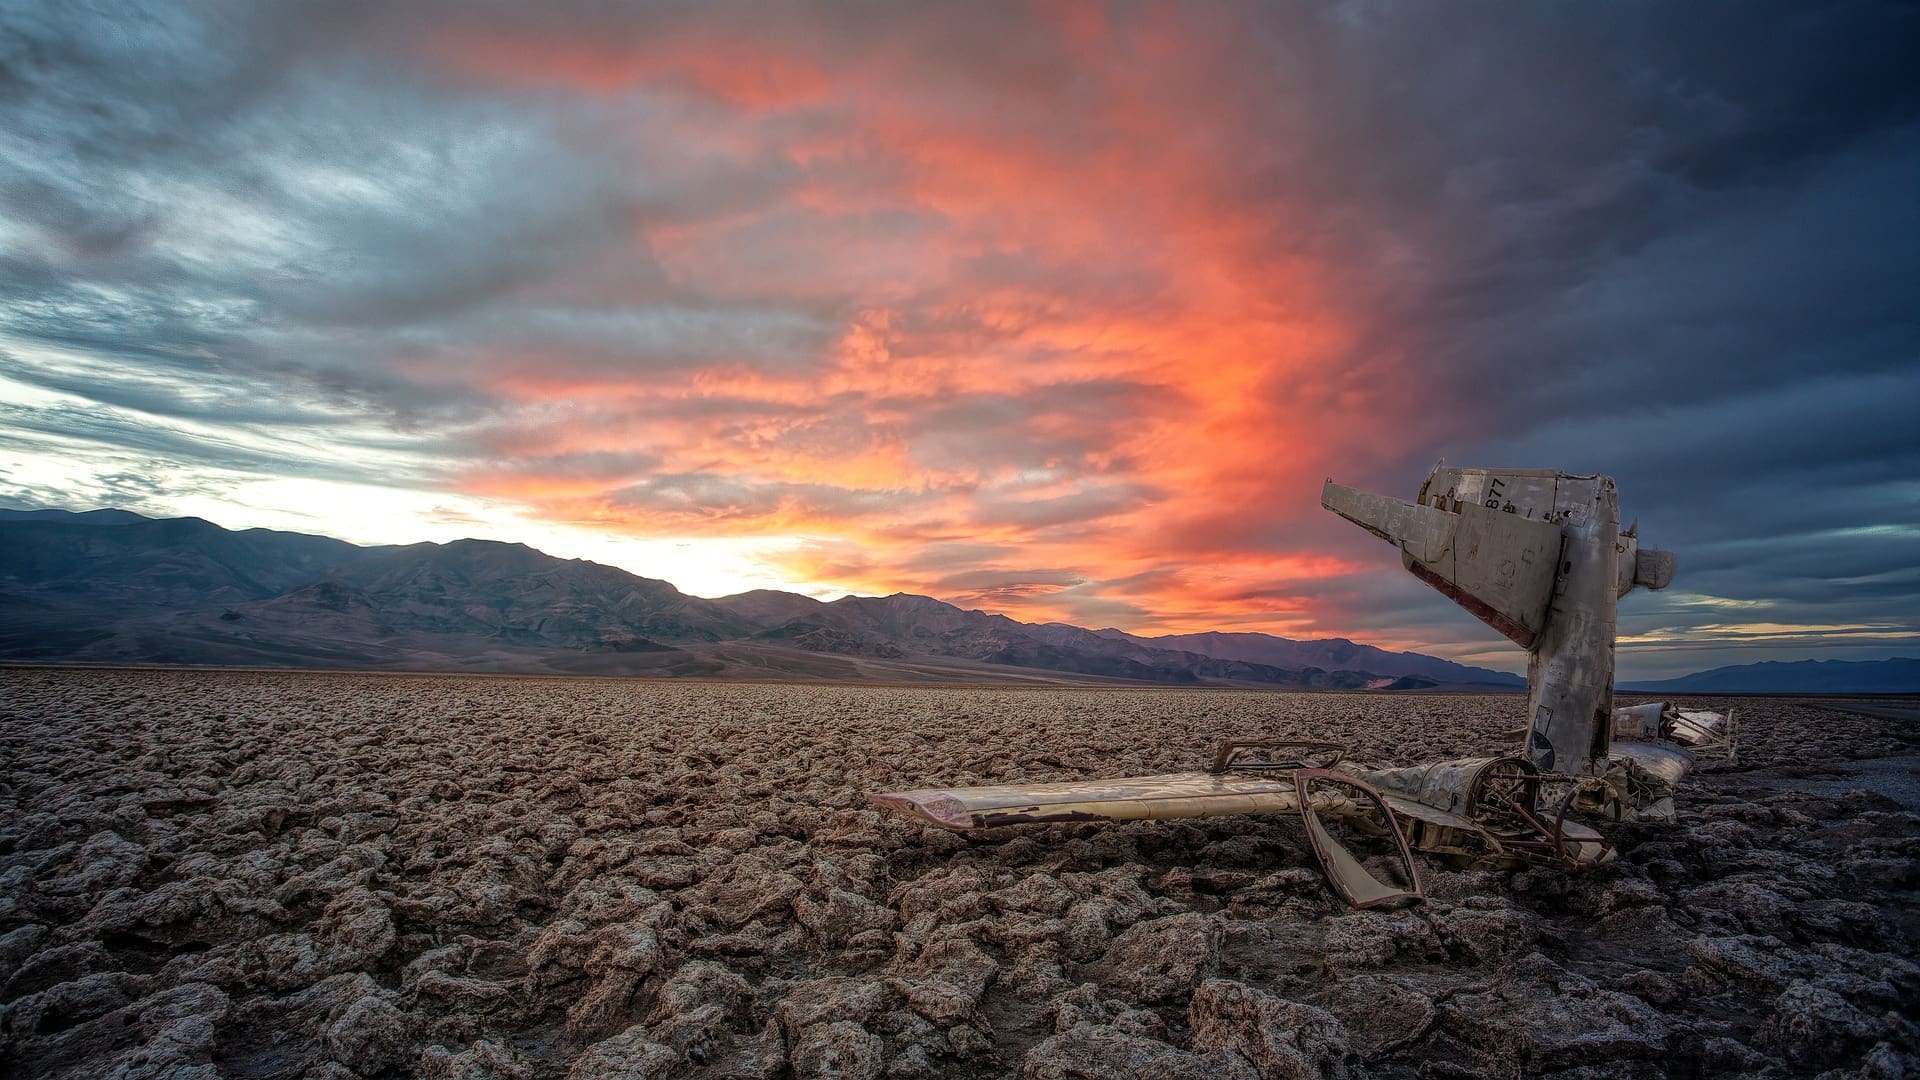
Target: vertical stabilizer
x,y
1497,565
1538,555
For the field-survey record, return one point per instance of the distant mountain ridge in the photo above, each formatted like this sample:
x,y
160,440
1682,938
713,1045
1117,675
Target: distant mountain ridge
x,y
1337,653
1899,675
111,586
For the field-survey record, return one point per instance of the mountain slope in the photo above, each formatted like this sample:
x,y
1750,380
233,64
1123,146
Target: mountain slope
x,y
909,624
1328,653
148,563
1900,675
511,590
69,517
114,587
768,608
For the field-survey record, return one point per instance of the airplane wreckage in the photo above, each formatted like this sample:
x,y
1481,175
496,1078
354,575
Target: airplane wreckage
x,y
1536,554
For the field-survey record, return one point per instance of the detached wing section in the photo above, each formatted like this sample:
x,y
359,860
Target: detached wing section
x,y
1315,794
1497,564
1138,798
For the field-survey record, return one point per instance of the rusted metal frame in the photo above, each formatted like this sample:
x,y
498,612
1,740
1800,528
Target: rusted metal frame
x,y
1528,780
1553,836
1527,776
1527,846
1560,823
1566,803
1727,744
1301,778
1223,757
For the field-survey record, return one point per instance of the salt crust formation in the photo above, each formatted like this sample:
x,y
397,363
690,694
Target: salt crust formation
x,y
322,875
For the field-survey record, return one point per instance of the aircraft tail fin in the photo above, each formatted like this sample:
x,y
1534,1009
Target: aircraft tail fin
x,y
1497,564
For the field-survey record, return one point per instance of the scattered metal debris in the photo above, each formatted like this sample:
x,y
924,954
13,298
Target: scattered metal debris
x,y
1536,554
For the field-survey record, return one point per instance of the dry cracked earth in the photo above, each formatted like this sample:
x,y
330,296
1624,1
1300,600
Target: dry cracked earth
x,y
329,875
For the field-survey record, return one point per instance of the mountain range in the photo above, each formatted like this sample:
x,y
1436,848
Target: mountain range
x,y
111,586
114,587
1900,675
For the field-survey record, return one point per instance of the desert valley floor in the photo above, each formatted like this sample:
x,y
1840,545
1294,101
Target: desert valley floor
x,y
332,875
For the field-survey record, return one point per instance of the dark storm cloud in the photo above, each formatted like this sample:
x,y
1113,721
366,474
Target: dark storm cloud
x,y
1670,252
1666,206
218,191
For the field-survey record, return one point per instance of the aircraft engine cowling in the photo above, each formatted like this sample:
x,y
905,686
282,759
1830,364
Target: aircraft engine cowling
x,y
1653,568
1647,568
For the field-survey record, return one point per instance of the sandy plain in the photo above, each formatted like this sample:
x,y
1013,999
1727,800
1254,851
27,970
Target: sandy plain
x,y
331,875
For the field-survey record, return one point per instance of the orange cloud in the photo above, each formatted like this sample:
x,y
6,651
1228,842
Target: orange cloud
x,y
731,71
1072,330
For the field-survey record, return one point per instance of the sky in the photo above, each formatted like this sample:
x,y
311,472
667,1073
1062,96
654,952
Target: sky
x,y
1061,310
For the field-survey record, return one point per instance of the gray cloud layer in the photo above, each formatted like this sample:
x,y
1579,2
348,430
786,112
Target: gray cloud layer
x,y
1676,243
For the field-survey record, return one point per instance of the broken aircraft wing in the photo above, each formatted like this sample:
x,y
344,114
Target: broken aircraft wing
x,y
1158,798
1315,794
1496,563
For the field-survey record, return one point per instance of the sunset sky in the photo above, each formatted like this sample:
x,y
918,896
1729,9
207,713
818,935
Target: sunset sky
x,y
1063,311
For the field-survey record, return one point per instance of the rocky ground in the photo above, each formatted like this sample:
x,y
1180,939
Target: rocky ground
x,y
268,874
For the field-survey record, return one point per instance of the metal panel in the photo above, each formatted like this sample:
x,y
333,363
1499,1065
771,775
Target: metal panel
x,y
1420,811
1638,721
1144,798
1663,760
1653,568
1351,879
1422,532
1698,727
1495,563
1505,562
1526,493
